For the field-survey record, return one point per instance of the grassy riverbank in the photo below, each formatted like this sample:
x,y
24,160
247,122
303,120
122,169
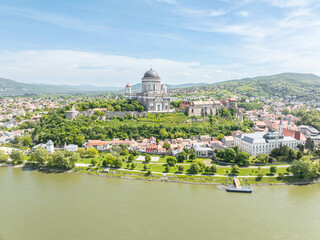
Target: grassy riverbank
x,y
155,172
187,178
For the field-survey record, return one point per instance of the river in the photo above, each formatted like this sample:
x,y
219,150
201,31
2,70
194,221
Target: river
x,y
37,205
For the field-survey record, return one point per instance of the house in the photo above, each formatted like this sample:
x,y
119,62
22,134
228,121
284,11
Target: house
x,y
152,148
228,141
49,146
97,144
202,151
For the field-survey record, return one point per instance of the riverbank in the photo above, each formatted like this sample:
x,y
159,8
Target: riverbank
x,y
175,178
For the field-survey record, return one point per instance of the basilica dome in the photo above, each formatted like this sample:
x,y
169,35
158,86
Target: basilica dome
x,y
151,74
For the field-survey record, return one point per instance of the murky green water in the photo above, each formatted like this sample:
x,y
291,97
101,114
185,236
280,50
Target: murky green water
x,y
36,205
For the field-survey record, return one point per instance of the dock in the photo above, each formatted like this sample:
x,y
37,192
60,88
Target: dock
x,y
238,188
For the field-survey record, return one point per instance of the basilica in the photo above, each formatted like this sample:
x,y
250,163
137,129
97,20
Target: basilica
x,y
153,96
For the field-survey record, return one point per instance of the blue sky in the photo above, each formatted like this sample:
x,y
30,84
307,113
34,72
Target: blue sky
x,y
112,42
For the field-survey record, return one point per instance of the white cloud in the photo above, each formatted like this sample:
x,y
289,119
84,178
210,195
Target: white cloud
x,y
203,13
289,3
167,1
74,67
243,13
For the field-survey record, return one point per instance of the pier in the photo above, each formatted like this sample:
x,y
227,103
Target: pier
x,y
238,188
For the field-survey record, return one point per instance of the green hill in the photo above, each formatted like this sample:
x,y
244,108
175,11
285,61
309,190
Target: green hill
x,y
285,85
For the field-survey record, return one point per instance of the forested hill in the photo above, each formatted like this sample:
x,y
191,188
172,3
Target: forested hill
x,y
287,85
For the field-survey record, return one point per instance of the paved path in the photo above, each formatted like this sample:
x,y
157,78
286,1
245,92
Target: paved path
x,y
187,174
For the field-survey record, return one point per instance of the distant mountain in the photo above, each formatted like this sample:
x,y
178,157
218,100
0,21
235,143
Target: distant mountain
x,y
138,86
13,88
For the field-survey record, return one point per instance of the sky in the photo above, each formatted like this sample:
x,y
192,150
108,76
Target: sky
x,y
113,42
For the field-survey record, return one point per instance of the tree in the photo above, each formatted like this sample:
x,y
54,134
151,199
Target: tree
x,y
197,166
92,152
194,168
182,156
104,163
186,150
163,133
26,140
220,136
192,156
299,154
3,157
133,166
171,161
167,146
303,169
167,168
292,155
16,156
41,155
273,169
117,163
236,149
220,154
244,159
93,162
285,111
125,152
281,176
147,158
213,168
135,153
145,167
300,147
130,158
275,152
309,144
81,151
262,158
230,155
181,168
58,160
235,170
16,139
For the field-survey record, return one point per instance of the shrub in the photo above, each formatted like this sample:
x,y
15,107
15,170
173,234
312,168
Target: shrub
x,y
145,167
273,169
235,170
281,176
171,161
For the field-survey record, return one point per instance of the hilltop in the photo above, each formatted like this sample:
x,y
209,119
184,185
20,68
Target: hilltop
x,y
285,85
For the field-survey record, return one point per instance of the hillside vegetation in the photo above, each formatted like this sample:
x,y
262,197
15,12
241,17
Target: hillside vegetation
x,y
294,86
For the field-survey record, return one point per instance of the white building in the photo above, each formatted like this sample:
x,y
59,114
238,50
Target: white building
x,y
203,151
261,142
70,147
154,96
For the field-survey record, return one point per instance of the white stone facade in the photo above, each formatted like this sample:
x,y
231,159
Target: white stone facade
x,y
154,96
260,142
